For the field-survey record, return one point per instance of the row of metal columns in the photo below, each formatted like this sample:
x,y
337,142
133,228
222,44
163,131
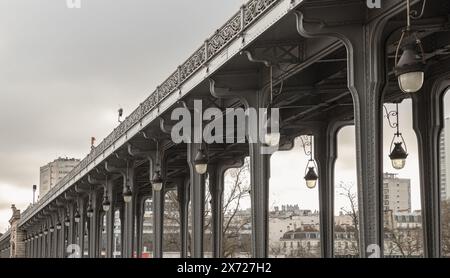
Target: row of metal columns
x,y
427,124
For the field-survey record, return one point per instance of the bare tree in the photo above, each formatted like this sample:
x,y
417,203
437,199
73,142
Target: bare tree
x,y
346,190
406,242
445,222
235,220
275,249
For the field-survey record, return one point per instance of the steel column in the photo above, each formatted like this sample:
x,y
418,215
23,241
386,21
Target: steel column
x,y
94,226
325,154
216,173
259,177
140,200
183,196
129,212
55,236
41,247
158,222
81,225
71,229
122,226
259,164
44,244
110,220
198,202
366,68
33,250
29,249
428,124
36,248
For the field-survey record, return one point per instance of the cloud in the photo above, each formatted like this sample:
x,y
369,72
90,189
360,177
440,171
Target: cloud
x,y
65,72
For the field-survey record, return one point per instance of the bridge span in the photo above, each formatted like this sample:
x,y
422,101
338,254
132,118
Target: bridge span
x,y
325,63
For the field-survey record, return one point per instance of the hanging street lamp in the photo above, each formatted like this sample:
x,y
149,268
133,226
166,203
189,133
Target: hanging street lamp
x,y
90,211
127,194
106,204
201,161
77,217
311,176
398,153
157,181
272,133
409,68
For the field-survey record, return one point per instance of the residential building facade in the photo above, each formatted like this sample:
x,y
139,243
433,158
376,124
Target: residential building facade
x,y
53,172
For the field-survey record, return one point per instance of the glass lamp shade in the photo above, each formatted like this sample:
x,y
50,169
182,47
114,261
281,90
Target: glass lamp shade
x,y
52,229
127,195
106,204
41,234
410,70
58,226
36,237
77,217
201,168
398,164
398,156
201,162
272,139
411,82
45,231
90,212
157,181
67,221
311,178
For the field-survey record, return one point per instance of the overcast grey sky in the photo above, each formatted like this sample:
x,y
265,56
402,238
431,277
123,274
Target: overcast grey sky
x,y
65,72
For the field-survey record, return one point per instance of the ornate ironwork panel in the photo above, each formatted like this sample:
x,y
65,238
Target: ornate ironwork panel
x,y
225,34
